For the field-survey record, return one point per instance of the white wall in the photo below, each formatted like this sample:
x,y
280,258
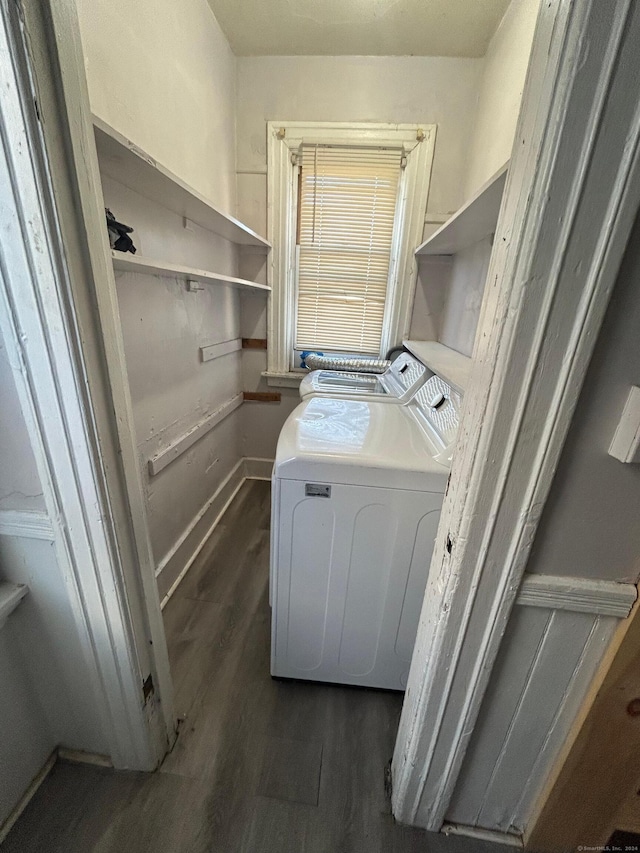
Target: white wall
x,y
498,106
45,695
461,310
26,741
432,287
433,90
19,482
448,309
448,297
44,629
590,527
163,326
163,74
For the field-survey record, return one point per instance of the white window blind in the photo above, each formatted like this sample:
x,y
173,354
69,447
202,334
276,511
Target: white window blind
x,y
346,215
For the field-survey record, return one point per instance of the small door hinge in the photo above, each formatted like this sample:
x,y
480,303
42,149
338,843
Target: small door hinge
x,y
147,688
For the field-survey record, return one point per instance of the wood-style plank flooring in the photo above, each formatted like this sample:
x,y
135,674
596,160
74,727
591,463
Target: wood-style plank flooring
x,y
260,766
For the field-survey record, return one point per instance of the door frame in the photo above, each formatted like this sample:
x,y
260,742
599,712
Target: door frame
x,y
60,322
538,311
572,194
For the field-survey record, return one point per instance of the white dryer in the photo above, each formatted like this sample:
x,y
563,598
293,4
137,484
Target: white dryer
x,y
357,493
396,385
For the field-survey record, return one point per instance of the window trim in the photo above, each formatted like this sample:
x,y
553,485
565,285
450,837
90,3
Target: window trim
x,y
283,138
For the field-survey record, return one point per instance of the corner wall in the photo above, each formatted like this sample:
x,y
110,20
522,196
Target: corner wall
x,y
448,300
45,693
589,527
498,106
163,74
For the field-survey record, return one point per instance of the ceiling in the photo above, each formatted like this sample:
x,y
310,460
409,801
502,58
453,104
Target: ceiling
x,y
359,27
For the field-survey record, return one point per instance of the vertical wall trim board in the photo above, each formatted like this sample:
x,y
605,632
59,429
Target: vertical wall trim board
x,y
601,633
514,717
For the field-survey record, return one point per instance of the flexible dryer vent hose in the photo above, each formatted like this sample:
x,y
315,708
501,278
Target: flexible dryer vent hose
x,y
353,365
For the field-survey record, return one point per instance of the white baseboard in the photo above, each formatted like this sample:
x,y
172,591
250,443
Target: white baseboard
x,y
257,469
177,562
78,756
507,839
28,795
74,755
175,565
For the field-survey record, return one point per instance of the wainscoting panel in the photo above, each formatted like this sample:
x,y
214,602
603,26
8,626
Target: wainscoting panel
x,y
558,632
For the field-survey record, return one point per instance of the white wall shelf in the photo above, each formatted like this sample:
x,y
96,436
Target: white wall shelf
x,y
123,161
11,594
473,222
125,262
452,366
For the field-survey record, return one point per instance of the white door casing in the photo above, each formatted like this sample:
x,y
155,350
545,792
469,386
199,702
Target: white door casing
x,y
61,329
571,197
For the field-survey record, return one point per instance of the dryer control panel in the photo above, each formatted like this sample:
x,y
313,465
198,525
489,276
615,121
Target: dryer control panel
x,y
437,407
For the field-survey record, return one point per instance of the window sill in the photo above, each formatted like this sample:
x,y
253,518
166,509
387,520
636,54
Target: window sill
x,y
283,380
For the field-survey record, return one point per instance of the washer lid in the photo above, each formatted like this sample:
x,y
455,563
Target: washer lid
x,y
359,443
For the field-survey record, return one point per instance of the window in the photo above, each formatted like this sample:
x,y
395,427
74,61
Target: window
x,y
346,215
346,210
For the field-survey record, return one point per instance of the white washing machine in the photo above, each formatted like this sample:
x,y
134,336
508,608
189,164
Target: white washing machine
x,y
396,385
357,493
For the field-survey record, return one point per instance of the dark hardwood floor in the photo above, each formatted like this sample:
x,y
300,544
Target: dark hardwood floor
x,y
260,766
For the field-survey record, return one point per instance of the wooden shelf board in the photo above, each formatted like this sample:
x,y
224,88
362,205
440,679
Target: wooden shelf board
x,y
473,222
123,161
449,364
134,263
